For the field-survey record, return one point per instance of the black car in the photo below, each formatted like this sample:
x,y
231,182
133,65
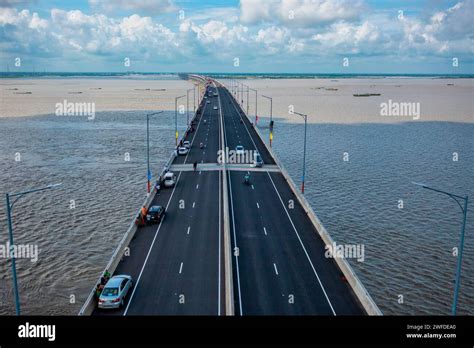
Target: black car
x,y
155,214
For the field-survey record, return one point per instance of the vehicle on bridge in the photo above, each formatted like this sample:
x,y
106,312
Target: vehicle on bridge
x,y
187,144
247,179
155,214
257,160
239,150
182,151
169,179
114,293
215,107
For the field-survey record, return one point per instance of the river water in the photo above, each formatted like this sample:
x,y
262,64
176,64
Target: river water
x,y
408,251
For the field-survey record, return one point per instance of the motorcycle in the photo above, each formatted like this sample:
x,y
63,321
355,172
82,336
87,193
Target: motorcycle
x,y
247,179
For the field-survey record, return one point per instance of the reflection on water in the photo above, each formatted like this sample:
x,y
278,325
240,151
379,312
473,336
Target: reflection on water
x,y
407,251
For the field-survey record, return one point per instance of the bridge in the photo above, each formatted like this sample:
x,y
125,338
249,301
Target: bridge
x,y
230,248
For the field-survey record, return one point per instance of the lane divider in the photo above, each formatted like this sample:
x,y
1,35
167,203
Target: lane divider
x,y
229,289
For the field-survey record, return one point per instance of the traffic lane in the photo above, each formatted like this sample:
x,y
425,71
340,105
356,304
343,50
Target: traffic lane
x,y
249,131
300,289
236,134
141,241
211,139
190,136
261,148
201,281
207,133
258,284
281,279
340,293
162,286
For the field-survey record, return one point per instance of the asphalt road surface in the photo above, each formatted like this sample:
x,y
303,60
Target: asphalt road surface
x,y
278,264
280,268
177,266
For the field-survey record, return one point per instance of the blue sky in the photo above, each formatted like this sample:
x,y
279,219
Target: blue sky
x,y
295,36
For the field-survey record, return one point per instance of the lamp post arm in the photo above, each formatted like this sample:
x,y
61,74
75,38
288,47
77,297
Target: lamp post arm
x,y
18,195
453,196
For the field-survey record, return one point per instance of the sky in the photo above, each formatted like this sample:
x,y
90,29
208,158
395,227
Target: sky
x,y
246,36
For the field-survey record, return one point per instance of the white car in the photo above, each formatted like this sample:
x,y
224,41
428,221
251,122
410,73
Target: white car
x,y
239,150
187,144
215,107
114,293
169,179
209,102
182,151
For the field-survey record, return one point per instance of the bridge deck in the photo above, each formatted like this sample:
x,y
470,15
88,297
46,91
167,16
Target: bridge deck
x,y
278,264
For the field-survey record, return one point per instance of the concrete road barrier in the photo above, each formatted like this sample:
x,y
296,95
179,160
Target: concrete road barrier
x,y
90,303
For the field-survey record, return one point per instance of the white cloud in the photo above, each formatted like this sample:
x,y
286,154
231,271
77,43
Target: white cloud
x,y
448,31
274,39
25,33
149,7
299,12
347,34
85,36
227,14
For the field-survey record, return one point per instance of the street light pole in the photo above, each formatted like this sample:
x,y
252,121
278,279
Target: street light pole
x,y
176,116
187,106
256,105
271,117
461,242
194,98
236,91
247,100
148,172
304,149
271,107
10,235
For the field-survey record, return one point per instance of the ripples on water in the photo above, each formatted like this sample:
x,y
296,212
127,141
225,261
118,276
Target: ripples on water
x,y
88,158
408,251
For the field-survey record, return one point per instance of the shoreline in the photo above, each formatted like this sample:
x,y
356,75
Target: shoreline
x,y
324,100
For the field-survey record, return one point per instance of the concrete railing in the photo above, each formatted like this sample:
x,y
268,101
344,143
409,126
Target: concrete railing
x,y
360,291
229,289
90,303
